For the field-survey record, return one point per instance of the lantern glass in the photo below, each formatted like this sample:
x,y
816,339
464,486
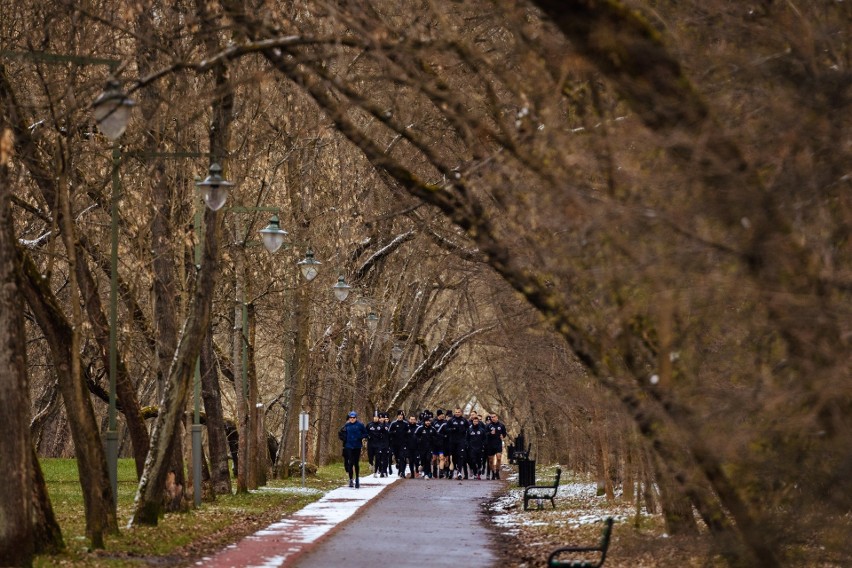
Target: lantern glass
x,y
341,289
213,188
309,266
215,196
372,321
273,235
112,111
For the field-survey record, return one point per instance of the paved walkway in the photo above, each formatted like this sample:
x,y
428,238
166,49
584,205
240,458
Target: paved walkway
x,y
415,520
280,542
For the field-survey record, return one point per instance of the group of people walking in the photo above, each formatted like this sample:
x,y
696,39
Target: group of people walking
x,y
439,445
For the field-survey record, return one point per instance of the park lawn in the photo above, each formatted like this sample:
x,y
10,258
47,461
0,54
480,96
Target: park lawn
x,y
179,538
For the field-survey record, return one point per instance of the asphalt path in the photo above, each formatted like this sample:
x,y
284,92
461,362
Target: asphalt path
x,y
415,522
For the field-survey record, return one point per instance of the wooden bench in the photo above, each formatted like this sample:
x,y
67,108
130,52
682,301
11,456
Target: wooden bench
x,y
543,491
554,562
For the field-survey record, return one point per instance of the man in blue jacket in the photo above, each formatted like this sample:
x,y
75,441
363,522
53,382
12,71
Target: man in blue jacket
x,y
351,434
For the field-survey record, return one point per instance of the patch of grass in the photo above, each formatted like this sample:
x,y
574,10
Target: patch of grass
x,y
179,538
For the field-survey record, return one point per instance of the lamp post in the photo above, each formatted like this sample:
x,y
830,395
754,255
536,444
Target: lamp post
x,y
112,113
272,237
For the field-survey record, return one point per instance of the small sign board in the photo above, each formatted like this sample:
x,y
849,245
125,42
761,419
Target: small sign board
x,y
303,422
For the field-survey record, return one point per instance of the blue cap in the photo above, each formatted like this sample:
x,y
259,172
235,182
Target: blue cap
x,y
353,414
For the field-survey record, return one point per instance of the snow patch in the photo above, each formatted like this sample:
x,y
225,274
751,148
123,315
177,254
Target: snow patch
x,y
302,527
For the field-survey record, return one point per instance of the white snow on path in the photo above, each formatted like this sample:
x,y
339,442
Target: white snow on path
x,y
274,545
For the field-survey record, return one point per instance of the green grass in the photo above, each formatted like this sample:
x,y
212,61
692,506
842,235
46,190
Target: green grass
x,y
179,537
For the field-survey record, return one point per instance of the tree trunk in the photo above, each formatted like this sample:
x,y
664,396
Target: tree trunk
x,y
48,535
628,486
164,291
217,443
298,384
602,454
125,390
17,537
240,382
150,493
94,477
280,468
91,460
677,508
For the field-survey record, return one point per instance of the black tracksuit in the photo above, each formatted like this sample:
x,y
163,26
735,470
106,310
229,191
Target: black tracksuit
x,y
396,436
371,448
411,457
456,442
475,438
427,440
440,446
378,442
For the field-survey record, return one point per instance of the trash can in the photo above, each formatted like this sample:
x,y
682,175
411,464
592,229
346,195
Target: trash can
x,y
526,473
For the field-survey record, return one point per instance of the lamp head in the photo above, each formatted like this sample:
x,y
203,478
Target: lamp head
x,y
213,188
341,289
273,235
112,110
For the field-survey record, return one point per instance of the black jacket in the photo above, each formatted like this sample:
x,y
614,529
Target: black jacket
x,y
440,427
457,429
377,435
427,438
409,441
495,432
396,432
475,436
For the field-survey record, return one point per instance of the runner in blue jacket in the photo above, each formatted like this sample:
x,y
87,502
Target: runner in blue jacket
x,y
351,434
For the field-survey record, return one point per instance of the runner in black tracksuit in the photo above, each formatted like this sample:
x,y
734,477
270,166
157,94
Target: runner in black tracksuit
x,y
439,451
475,438
456,431
495,432
411,457
372,427
396,435
426,440
379,439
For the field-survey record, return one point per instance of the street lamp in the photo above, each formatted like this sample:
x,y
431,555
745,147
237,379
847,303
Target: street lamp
x,y
309,266
273,235
396,352
112,110
372,321
341,289
214,189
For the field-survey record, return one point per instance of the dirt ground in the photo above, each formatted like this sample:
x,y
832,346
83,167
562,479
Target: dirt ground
x,y
528,537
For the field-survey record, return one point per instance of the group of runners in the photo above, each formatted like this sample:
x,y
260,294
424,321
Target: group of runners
x,y
439,445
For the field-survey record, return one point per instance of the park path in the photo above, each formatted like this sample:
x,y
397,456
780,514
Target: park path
x,y
413,521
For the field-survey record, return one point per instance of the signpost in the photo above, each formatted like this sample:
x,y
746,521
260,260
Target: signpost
x,y
303,430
